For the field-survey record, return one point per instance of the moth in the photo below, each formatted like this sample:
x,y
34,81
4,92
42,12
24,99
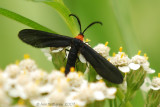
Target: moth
x,y
102,66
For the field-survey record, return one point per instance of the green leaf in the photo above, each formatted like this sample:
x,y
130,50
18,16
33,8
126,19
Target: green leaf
x,y
23,20
64,12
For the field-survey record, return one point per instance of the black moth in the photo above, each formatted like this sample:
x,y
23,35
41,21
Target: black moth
x,y
41,39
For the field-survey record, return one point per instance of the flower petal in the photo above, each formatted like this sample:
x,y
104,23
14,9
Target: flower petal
x,y
57,50
150,71
146,85
124,69
155,88
134,66
99,95
82,59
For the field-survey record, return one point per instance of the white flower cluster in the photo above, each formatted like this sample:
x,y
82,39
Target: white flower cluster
x,y
122,61
125,64
155,85
29,83
102,50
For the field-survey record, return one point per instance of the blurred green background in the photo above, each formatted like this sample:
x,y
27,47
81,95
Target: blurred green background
x,y
133,24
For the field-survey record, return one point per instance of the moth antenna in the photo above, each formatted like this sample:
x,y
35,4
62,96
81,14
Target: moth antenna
x,y
96,22
78,21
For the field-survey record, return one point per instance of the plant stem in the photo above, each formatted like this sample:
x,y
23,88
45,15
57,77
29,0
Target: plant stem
x,y
115,102
110,103
121,96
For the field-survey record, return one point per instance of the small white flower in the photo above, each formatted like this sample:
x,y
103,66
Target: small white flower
x,y
98,95
137,61
28,65
39,76
61,84
107,92
111,93
57,96
72,98
2,79
4,99
14,89
122,61
12,71
54,75
31,90
102,50
23,79
146,86
155,85
46,89
75,79
41,100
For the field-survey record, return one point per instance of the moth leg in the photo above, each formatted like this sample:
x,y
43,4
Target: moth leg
x,y
87,64
66,50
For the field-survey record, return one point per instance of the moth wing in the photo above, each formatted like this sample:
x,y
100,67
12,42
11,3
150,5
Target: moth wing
x,y
41,39
102,66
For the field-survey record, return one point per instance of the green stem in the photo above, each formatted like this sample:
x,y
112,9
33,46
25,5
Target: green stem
x,y
121,96
110,103
115,102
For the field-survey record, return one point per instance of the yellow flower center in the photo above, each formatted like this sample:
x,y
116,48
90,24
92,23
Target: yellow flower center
x,y
17,62
120,49
145,55
26,56
106,43
87,40
79,74
109,59
72,69
20,102
101,80
62,69
122,55
68,79
114,54
59,90
37,81
139,52
159,75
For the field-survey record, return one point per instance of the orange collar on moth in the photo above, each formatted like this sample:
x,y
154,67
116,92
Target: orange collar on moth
x,y
80,37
